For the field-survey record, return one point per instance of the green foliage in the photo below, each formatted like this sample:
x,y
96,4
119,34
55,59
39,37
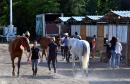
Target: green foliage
x,y
25,11
73,7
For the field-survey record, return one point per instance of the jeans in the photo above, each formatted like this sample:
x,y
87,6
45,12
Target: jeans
x,y
34,66
112,61
118,60
53,60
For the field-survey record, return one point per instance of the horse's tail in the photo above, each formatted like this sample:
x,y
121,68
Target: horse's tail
x,y
86,53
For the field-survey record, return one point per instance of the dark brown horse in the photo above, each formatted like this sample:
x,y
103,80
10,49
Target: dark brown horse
x,y
57,40
44,42
16,48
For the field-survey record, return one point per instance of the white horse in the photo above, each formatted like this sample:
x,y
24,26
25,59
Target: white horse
x,y
80,49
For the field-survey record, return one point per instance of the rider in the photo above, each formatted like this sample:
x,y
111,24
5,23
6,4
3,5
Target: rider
x,y
77,36
52,52
34,57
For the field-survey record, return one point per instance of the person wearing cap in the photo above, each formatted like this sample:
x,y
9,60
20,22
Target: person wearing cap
x,y
52,53
77,36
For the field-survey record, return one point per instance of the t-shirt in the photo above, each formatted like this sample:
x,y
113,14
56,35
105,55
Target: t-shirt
x,y
93,43
35,52
65,41
52,49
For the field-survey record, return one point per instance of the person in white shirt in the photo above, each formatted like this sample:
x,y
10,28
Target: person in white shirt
x,y
118,50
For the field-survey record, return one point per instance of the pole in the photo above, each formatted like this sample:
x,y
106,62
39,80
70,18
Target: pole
x,y
11,20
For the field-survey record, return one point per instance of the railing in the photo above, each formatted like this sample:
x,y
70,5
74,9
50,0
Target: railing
x,y
5,39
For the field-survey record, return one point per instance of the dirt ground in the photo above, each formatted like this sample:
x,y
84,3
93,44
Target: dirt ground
x,y
98,73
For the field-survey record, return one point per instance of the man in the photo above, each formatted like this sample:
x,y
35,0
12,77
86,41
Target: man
x,y
52,54
34,54
77,36
66,47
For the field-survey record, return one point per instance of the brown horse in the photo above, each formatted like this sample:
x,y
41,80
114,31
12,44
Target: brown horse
x,y
16,47
57,40
44,42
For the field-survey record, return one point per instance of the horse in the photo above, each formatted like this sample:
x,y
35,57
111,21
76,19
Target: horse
x,y
57,40
80,49
44,42
16,47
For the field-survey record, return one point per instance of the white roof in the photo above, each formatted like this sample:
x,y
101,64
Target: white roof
x,y
122,13
64,19
95,17
78,18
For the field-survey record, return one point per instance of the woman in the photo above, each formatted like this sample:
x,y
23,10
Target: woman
x,y
94,47
113,53
118,50
34,54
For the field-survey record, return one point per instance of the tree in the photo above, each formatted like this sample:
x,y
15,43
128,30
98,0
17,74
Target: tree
x,y
103,6
73,7
91,7
25,12
4,12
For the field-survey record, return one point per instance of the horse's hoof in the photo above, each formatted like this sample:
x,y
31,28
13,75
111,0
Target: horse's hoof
x,y
13,74
17,75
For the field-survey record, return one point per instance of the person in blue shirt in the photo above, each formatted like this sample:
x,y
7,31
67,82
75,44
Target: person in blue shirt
x,y
66,48
34,54
52,54
113,52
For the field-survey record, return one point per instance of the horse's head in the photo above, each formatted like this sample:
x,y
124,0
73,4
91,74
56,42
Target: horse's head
x,y
25,43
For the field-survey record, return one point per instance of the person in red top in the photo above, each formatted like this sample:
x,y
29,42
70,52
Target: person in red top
x,y
94,47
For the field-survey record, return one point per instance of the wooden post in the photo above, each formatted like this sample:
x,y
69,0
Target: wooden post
x,y
83,32
100,37
128,44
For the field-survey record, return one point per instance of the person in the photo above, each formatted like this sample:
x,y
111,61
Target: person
x,y
118,50
77,36
34,54
27,34
113,53
66,48
94,46
62,47
52,52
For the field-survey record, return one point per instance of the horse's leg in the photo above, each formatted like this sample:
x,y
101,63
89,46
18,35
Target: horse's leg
x,y
73,64
19,59
13,66
42,55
